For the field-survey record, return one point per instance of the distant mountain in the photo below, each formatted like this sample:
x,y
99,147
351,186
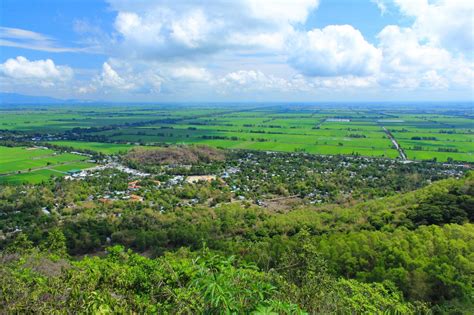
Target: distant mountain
x,y
13,98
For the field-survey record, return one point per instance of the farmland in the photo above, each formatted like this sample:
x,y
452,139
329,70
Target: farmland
x,y
106,148
431,133
35,164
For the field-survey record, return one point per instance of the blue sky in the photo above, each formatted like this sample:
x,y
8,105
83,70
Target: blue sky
x,y
241,50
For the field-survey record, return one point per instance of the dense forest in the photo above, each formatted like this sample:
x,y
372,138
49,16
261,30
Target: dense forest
x,y
261,233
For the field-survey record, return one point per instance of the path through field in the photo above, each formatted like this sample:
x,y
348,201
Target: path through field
x,y
395,143
47,167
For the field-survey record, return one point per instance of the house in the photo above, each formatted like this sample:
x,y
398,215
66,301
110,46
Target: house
x,y
136,198
73,172
134,185
105,200
175,180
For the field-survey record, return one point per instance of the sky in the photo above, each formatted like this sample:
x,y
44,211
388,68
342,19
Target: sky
x,y
238,50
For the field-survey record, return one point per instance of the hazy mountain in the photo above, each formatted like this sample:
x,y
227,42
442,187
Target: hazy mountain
x,y
13,98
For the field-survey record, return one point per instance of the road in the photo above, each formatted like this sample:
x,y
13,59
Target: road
x,y
395,144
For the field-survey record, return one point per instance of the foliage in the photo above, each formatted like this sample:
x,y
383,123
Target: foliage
x,y
124,282
182,282
284,234
431,263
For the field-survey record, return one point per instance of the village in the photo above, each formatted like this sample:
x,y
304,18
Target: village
x,y
282,177
135,190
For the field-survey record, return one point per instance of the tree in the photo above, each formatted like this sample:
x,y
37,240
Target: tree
x,y
55,243
20,245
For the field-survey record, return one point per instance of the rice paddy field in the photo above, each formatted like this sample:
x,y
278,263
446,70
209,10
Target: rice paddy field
x,y
437,132
36,164
102,147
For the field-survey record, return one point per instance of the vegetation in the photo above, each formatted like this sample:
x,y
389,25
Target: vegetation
x,y
158,226
439,133
375,255
174,155
35,164
182,282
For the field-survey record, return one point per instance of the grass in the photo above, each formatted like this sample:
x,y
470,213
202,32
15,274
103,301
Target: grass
x,y
33,165
106,148
31,177
275,128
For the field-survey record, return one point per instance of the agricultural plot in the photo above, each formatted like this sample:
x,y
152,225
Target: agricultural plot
x,y
263,131
106,148
427,134
435,137
33,165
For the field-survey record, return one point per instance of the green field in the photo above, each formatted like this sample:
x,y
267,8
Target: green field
x,y
437,132
34,165
428,136
106,148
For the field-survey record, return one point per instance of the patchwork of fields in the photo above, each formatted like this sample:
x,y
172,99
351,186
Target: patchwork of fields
x,y
102,147
440,133
33,165
430,136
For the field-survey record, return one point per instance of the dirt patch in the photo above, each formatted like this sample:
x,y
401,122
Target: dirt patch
x,y
282,204
47,267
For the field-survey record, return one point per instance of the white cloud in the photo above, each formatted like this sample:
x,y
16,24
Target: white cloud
x,y
192,30
411,64
110,78
447,23
381,5
281,11
172,29
251,80
119,76
18,33
435,52
344,82
145,78
244,81
256,47
40,72
403,52
21,38
333,51
337,56
191,74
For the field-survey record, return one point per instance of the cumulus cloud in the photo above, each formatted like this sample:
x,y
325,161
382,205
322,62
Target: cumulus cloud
x,y
195,74
333,51
403,52
187,47
409,63
110,78
245,80
343,82
129,79
20,70
173,29
447,23
336,55
121,77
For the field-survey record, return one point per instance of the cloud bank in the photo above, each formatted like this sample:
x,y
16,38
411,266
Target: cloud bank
x,y
220,47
